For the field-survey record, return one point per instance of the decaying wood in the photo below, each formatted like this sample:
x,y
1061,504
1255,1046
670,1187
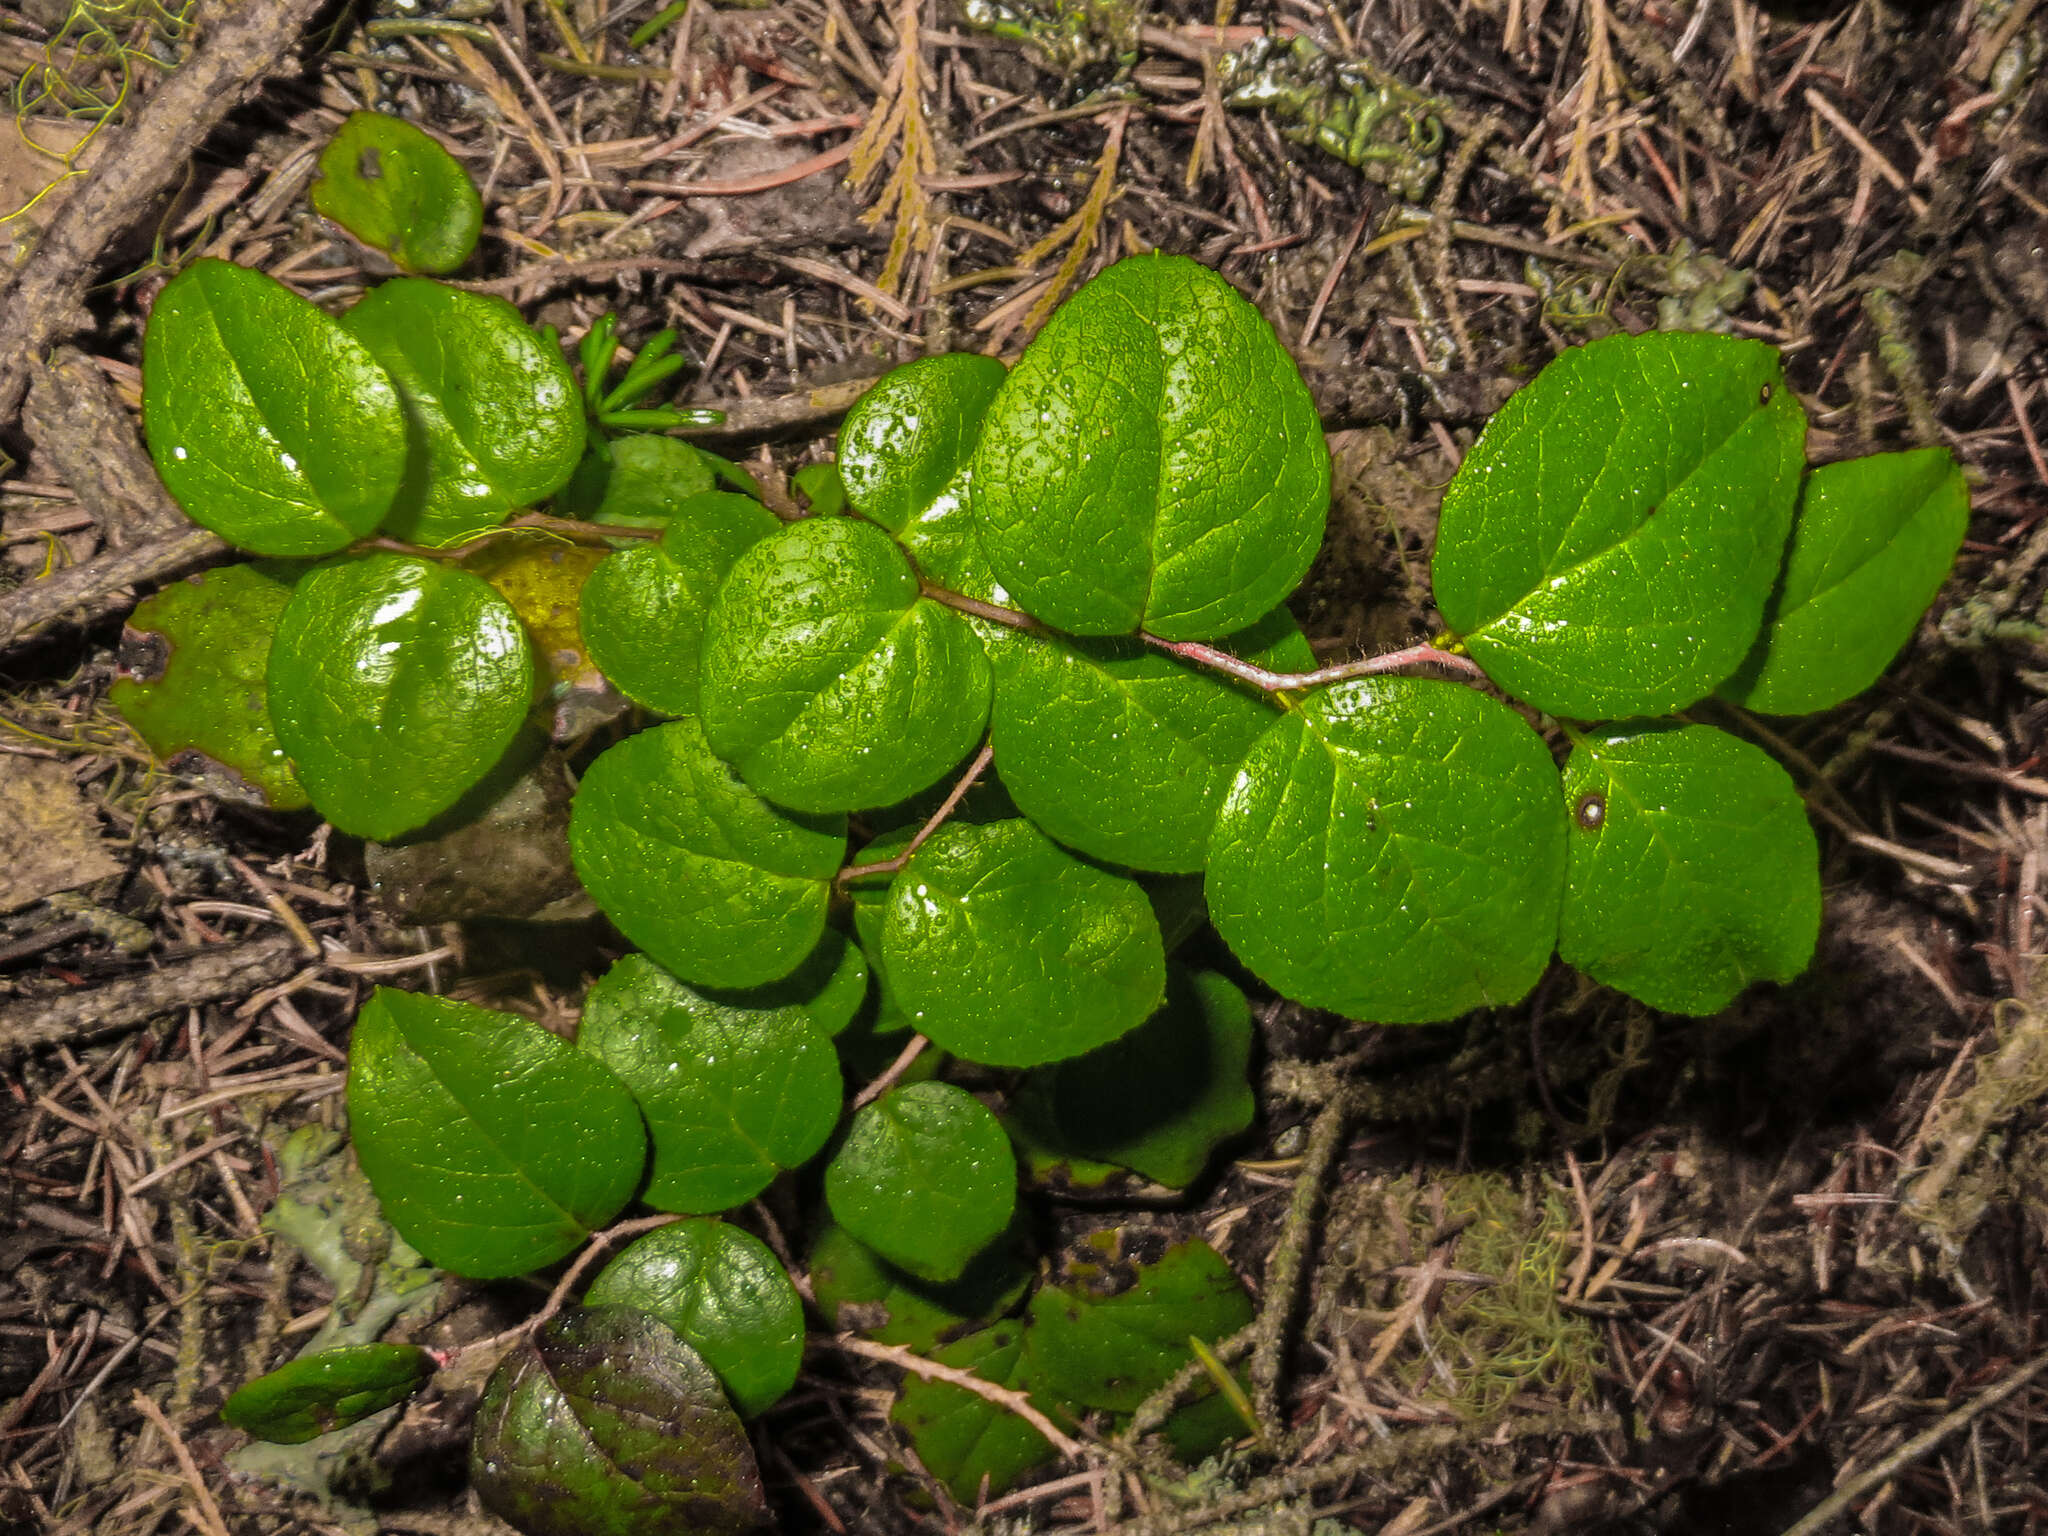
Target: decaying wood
x,y
231,971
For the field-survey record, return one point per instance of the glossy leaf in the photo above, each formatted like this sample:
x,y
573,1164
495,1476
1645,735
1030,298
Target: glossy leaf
x,y
394,187
1607,547
1123,753
1160,1100
644,608
856,1288
494,1147
269,423
963,1439
1154,461
824,992
204,694
606,1424
725,1295
635,482
906,452
732,1096
718,886
1871,546
1392,851
543,577
1113,1352
496,419
828,681
395,684
1007,950
925,1178
1693,870
319,1393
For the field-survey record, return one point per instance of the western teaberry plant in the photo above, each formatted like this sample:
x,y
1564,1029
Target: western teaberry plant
x,y
959,761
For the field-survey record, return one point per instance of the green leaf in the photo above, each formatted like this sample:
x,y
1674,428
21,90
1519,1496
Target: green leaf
x,y
1607,546
496,419
1007,950
1392,851
732,1096
1125,754
1160,1100
643,609
905,453
722,1293
394,187
1693,871
319,1393
636,482
1872,544
1154,461
824,493
269,423
856,1288
925,1178
606,1424
494,1146
716,884
1113,1352
395,684
961,1437
204,692
828,681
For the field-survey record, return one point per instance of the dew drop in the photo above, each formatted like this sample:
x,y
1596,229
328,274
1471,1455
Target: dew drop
x,y
1591,812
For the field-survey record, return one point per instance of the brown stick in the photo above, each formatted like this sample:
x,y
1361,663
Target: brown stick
x,y
91,591
209,977
245,43
83,434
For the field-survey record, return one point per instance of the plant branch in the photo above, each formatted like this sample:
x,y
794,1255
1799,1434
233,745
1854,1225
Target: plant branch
x,y
1293,682
937,819
86,1013
1010,618
1002,1397
595,534
599,1244
1284,1269
888,1079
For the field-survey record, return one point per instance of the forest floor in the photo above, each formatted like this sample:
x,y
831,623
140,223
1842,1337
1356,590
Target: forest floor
x,y
1571,1266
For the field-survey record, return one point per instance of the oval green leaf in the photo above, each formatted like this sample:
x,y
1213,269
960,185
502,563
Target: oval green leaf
x,y
1392,851
906,452
606,1422
723,1293
925,1178
496,417
1007,950
269,423
856,1288
970,1444
823,993
1122,753
1154,461
1113,1352
732,1096
1693,870
1872,544
205,692
396,683
1607,547
494,1146
719,886
828,681
1160,1100
394,187
319,1393
643,609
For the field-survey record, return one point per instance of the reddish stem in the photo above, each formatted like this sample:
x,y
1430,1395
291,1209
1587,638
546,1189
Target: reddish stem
x,y
1293,682
951,804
